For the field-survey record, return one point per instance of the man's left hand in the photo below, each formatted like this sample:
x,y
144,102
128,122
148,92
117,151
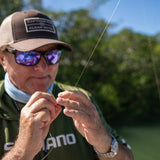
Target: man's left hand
x,y
86,118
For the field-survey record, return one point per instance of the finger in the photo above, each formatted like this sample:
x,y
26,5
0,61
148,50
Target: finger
x,y
77,96
90,119
42,120
37,95
77,115
42,103
73,105
44,117
72,94
58,110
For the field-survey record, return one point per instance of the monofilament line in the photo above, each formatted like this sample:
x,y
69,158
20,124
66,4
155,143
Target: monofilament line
x,y
97,43
49,150
99,39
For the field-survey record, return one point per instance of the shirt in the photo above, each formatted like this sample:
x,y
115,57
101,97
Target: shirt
x,y
63,140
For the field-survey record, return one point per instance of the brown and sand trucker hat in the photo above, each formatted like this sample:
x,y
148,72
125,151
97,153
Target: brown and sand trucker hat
x,y
28,30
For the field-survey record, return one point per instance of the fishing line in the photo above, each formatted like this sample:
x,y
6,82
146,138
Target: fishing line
x,y
153,61
154,67
49,150
97,43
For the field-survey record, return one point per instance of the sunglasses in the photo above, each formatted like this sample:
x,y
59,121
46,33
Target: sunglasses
x,y
31,58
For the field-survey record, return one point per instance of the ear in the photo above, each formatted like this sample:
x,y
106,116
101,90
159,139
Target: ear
x,y
3,61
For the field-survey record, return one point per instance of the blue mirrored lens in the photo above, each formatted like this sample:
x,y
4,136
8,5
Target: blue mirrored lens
x,y
31,58
53,57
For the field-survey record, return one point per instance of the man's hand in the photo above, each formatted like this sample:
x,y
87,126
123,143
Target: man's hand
x,y
88,123
35,119
86,119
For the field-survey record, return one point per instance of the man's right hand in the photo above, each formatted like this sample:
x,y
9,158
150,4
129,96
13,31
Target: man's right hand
x,y
35,119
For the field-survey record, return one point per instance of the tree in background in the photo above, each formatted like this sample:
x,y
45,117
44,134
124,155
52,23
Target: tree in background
x,y
123,74
7,7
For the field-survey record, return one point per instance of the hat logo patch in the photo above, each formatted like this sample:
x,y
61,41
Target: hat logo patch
x,y
39,24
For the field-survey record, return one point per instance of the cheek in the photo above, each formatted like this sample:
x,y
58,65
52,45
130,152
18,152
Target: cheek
x,y
18,77
7,62
54,70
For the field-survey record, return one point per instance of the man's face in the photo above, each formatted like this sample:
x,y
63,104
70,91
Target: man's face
x,y
30,78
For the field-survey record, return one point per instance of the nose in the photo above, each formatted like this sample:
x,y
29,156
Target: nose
x,y
42,66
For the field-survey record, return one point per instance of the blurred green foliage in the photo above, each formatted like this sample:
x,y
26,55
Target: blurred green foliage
x,y
123,74
144,140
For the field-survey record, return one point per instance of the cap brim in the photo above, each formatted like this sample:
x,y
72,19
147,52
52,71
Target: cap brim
x,y
32,44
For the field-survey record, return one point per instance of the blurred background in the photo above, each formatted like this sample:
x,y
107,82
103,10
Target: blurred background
x,y
120,68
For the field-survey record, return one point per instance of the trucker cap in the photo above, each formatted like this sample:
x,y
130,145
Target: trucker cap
x,y
28,30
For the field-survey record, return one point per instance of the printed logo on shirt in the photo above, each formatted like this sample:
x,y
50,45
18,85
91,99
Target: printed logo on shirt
x,y
59,141
51,142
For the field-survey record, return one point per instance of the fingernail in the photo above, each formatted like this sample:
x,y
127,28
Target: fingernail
x,y
61,94
59,100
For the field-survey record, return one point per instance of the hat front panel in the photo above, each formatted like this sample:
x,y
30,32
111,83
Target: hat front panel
x,y
33,26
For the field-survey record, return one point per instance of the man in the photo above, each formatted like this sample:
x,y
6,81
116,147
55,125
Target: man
x,y
32,123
